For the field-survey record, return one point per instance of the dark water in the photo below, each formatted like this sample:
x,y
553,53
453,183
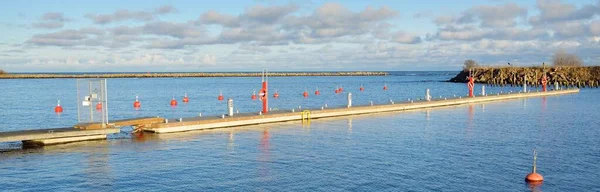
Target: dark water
x,y
480,147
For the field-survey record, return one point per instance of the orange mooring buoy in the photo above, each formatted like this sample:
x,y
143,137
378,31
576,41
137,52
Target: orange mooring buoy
x,y
337,90
254,95
341,89
385,87
317,92
58,108
534,177
361,88
220,97
276,95
185,98
136,103
99,106
305,94
173,101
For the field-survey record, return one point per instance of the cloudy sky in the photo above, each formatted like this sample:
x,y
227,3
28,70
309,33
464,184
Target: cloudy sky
x,y
246,35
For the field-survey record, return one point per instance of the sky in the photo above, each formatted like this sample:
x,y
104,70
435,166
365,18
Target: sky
x,y
293,35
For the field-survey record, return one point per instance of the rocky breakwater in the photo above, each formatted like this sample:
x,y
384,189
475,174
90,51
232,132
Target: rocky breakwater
x,y
171,75
588,76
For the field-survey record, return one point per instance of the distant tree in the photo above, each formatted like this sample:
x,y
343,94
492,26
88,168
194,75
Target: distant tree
x,y
470,64
562,58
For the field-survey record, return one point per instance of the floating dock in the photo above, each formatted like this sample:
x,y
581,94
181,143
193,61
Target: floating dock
x,y
200,123
79,132
82,132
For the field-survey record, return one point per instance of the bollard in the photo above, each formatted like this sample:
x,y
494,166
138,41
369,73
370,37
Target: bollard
x,y
483,90
525,85
293,110
223,116
371,103
166,120
391,101
427,95
260,113
237,111
199,114
555,85
299,107
322,108
230,107
325,105
349,99
180,119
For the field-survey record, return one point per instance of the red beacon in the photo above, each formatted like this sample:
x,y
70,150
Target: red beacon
x,y
136,103
58,108
185,98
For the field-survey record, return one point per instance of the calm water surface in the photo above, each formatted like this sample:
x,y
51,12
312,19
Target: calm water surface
x,y
480,147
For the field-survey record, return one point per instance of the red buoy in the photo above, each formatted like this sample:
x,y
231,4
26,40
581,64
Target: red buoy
x,y
173,102
362,88
385,87
254,95
136,103
58,108
534,177
305,94
341,89
186,98
220,97
99,106
337,90
317,92
276,95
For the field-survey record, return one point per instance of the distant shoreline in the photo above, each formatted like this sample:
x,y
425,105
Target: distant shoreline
x,y
170,75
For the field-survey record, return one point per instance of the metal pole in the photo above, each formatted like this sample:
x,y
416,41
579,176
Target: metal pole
x,y
91,103
106,101
525,85
230,107
483,90
78,102
349,99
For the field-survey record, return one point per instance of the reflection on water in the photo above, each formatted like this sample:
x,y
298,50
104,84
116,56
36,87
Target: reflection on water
x,y
265,156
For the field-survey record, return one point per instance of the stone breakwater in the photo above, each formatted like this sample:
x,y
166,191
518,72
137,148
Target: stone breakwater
x,y
171,75
511,76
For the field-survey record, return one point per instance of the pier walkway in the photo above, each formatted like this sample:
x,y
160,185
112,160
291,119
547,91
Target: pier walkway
x,y
82,132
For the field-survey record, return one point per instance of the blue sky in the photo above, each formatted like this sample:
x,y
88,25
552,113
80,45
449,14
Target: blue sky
x,y
81,36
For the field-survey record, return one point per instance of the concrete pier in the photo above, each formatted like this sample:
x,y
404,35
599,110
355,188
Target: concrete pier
x,y
56,136
200,123
83,132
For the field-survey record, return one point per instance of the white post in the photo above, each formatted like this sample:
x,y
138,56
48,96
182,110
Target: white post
x,y
483,90
230,107
555,85
349,99
525,85
427,95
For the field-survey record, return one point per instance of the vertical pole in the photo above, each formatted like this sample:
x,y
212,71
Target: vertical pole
x,y
525,85
483,90
230,107
349,99
555,85
105,101
78,103
265,87
91,103
427,95
534,159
